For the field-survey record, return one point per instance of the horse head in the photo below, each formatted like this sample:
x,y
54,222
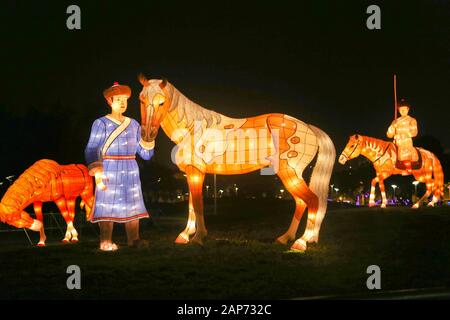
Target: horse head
x,y
352,149
155,102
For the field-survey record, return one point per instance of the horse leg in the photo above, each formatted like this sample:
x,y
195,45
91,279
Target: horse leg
x,y
424,197
372,192
183,237
62,205
71,217
293,185
427,177
304,197
383,192
38,212
291,232
87,202
195,179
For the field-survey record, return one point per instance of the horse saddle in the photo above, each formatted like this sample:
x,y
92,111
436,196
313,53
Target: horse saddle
x,y
413,165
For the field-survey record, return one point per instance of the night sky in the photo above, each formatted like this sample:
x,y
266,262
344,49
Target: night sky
x,y
315,61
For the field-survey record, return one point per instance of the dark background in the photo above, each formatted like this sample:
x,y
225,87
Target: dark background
x,y
313,60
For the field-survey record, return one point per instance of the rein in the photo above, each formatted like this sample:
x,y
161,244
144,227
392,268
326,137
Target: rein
x,y
385,150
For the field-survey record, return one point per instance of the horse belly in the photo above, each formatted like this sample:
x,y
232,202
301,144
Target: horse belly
x,y
73,180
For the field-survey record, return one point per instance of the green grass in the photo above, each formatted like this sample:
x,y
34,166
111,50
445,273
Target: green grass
x,y
240,260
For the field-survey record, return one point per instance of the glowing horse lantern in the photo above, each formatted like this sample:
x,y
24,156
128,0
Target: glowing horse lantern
x,y
209,142
383,155
47,181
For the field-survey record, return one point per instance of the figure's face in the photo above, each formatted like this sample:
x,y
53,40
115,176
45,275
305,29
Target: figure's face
x,y
119,103
403,110
152,99
352,149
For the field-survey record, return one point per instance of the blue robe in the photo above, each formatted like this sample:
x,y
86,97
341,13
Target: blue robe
x,y
122,201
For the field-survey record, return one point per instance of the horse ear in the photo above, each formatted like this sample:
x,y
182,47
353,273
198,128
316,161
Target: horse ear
x,y
142,79
163,83
356,136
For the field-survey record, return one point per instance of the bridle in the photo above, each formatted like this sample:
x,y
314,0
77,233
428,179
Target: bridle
x,y
348,157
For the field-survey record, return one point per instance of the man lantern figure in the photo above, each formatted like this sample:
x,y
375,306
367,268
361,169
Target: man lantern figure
x,y
403,129
110,154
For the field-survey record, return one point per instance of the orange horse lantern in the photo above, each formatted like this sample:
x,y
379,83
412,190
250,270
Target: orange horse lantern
x,y
209,142
383,155
47,181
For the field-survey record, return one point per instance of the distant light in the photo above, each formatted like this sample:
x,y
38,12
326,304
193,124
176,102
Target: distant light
x,y
415,183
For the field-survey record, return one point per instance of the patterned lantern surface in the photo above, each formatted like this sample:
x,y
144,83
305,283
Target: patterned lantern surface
x,y
111,149
209,142
403,129
47,181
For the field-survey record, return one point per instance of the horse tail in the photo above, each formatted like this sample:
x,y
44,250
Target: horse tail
x,y
321,175
438,176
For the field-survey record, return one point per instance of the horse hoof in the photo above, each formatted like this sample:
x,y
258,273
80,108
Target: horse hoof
x,y
416,206
65,241
181,240
74,240
371,205
41,244
281,240
198,240
299,245
284,239
383,206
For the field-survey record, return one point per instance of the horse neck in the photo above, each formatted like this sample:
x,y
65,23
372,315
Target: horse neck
x,y
20,200
170,122
373,148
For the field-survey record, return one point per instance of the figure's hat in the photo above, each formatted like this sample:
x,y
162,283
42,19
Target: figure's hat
x,y
403,103
115,90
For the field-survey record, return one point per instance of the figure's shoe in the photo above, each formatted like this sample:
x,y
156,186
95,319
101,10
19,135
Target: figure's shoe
x,y
108,247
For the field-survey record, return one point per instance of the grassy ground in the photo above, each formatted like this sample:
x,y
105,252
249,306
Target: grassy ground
x,y
240,260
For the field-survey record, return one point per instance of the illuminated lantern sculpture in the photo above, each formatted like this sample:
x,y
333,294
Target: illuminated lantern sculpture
x,y
111,153
383,155
209,142
47,181
403,129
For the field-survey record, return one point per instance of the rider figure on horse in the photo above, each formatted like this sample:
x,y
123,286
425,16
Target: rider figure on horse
x,y
403,129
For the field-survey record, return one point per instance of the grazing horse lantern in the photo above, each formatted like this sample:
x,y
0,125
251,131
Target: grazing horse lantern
x,y
209,142
383,155
47,181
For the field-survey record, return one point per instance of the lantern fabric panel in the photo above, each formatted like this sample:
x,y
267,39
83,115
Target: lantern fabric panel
x,y
122,201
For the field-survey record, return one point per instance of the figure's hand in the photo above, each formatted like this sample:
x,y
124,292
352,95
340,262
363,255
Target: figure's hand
x,y
99,178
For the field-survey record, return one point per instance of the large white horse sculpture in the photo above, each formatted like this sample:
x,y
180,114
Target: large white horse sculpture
x,y
209,142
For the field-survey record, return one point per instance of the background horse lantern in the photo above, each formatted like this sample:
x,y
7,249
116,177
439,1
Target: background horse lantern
x,y
383,155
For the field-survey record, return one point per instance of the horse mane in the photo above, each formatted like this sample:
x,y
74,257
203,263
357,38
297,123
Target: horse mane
x,y
189,110
376,144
